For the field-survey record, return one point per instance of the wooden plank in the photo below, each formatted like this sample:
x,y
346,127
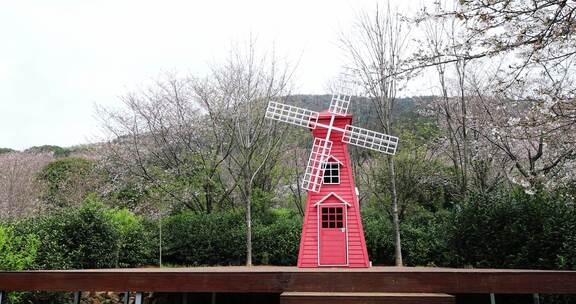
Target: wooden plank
x,y
143,281
365,298
436,282
280,279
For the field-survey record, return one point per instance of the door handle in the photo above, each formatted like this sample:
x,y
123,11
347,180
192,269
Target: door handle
x,y
343,229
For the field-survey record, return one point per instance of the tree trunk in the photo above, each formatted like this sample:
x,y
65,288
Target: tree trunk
x,y
248,224
395,217
160,242
461,75
208,197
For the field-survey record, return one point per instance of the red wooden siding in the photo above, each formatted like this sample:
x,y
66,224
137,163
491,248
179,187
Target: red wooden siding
x,y
357,253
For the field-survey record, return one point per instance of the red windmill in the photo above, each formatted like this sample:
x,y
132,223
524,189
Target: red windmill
x,y
332,233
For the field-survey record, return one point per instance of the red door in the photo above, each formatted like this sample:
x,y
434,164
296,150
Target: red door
x,y
333,244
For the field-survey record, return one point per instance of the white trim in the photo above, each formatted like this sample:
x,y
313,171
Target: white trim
x,y
334,158
319,222
331,194
339,166
331,127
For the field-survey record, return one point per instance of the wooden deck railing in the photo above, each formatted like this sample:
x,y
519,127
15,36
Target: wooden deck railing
x,y
291,279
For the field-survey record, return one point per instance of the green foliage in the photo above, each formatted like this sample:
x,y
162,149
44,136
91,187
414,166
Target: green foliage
x,y
424,237
220,238
424,240
205,239
128,196
17,252
68,180
379,236
135,243
504,230
261,206
420,182
88,237
277,242
6,150
188,183
516,230
55,150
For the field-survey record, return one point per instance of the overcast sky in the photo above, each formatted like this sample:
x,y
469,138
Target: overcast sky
x,y
60,58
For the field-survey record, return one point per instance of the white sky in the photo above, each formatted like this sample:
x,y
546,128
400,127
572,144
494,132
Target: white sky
x,y
60,58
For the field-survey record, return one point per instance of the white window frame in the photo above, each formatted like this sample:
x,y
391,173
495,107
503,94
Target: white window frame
x,y
331,163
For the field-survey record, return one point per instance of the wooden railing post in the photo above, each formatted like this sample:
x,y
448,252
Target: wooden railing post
x,y
138,298
492,299
77,296
536,298
126,297
1,296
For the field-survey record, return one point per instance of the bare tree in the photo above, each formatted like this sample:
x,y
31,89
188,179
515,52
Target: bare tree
x,y
295,158
164,141
242,88
375,49
442,40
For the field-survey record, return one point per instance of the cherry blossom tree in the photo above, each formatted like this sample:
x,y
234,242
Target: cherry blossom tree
x,y
19,188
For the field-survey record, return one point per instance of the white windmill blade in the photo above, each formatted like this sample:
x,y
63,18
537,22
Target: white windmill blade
x,y
291,114
370,139
314,173
341,97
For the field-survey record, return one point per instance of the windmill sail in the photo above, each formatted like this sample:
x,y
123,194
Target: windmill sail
x,y
291,114
314,173
341,98
370,139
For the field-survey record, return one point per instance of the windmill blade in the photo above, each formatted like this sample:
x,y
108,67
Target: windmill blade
x,y
314,173
341,98
370,139
292,115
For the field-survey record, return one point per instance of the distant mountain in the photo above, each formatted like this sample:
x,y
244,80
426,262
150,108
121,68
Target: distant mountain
x,y
56,151
407,114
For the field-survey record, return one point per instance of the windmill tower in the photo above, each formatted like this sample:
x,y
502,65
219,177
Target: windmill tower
x,y
332,233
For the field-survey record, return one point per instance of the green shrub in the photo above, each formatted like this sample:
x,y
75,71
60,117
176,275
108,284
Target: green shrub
x,y
220,239
68,181
135,243
91,236
424,238
379,236
17,252
515,230
277,242
205,239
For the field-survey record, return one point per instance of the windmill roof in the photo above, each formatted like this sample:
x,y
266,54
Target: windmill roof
x,y
334,158
326,113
